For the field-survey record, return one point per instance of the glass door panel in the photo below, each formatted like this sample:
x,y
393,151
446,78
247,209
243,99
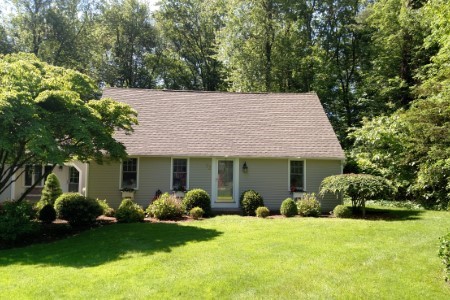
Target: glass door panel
x,y
74,180
225,181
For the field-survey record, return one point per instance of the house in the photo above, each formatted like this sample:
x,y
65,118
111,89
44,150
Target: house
x,y
224,143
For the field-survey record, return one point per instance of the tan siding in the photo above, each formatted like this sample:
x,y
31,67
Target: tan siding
x,y
268,177
154,174
316,171
103,182
200,174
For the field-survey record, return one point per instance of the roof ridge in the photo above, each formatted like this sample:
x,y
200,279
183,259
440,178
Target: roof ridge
x,y
212,92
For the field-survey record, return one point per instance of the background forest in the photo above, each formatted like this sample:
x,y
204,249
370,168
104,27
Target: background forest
x,y
380,67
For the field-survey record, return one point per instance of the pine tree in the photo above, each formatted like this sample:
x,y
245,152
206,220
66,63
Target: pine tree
x,y
51,191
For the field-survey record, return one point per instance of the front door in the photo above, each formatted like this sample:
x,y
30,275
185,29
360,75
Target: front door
x,y
225,191
74,180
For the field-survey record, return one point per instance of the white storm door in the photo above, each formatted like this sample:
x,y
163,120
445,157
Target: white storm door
x,y
225,183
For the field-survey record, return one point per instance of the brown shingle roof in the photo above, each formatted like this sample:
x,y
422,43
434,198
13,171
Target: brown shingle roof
x,y
213,124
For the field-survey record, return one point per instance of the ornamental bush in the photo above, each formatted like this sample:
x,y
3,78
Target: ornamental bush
x,y
358,187
250,200
308,206
16,220
197,197
262,212
51,192
342,211
196,213
288,208
77,209
166,207
47,214
444,254
129,212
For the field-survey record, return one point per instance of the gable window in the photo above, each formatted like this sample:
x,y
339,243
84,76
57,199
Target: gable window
x,y
296,174
129,173
34,172
179,174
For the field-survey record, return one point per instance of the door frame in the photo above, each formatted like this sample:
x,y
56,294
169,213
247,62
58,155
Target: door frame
x,y
215,179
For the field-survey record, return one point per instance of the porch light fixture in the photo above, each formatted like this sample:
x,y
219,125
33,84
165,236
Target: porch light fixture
x,y
245,167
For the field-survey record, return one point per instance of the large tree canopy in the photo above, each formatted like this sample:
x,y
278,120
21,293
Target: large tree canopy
x,y
50,115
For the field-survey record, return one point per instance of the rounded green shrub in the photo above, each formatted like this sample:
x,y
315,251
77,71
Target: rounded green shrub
x,y
129,212
166,207
262,212
16,220
110,212
51,192
250,200
197,197
77,209
47,214
288,208
105,206
308,206
342,211
196,213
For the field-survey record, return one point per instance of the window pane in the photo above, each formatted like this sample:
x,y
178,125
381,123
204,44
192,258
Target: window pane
x,y
296,180
179,174
28,175
37,173
129,173
48,170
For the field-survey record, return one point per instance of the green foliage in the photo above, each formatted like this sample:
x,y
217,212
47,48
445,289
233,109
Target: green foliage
x,y
288,208
52,190
129,212
197,197
444,254
168,207
359,187
37,99
308,206
262,212
47,214
410,148
399,204
196,213
107,210
78,210
250,200
342,211
15,220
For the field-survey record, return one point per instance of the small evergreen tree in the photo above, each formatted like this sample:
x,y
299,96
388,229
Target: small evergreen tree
x,y
52,190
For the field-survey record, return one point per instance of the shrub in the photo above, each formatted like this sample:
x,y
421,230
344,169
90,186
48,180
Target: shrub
x,y
196,213
359,187
77,209
197,197
288,208
342,211
51,192
262,212
47,214
129,212
166,207
250,201
16,220
308,206
444,254
110,212
104,205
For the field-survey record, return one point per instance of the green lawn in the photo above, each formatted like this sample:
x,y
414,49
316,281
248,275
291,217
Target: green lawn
x,y
238,257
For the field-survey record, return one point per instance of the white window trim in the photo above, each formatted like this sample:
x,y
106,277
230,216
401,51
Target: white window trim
x,y
304,173
41,184
187,171
137,171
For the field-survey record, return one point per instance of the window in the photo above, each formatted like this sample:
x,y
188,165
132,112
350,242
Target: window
x,y
296,176
179,174
129,173
34,172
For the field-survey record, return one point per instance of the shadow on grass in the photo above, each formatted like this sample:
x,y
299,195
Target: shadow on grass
x,y
107,244
389,214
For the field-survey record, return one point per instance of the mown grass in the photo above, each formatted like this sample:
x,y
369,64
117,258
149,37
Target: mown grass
x,y
232,257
